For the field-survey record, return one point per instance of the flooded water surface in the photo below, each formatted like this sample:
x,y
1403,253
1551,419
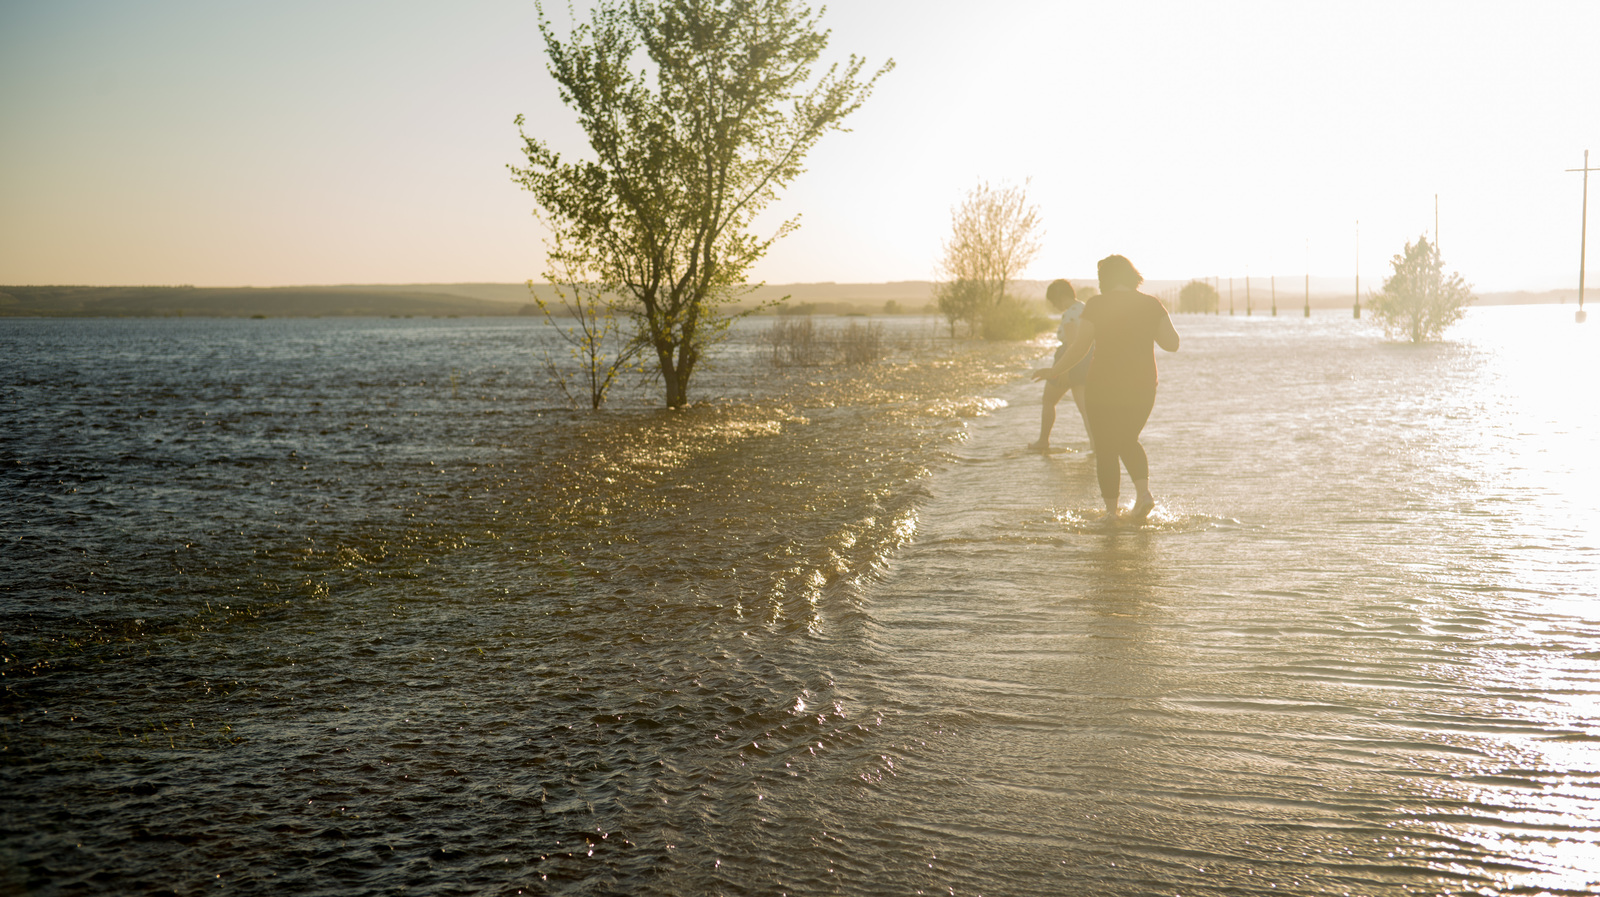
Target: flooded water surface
x,y
362,607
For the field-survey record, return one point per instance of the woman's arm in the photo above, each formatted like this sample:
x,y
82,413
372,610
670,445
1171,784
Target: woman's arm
x,y
1166,334
1074,354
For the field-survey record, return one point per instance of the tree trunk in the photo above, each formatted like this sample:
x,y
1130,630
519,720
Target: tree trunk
x,y
674,378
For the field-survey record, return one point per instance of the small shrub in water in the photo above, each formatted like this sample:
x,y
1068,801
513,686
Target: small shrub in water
x,y
795,341
1009,319
798,341
861,343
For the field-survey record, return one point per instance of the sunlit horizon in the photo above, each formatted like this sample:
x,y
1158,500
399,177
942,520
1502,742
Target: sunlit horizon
x,y
172,143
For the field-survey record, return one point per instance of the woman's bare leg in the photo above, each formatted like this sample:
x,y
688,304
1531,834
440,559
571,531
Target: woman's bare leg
x,y
1145,503
1077,399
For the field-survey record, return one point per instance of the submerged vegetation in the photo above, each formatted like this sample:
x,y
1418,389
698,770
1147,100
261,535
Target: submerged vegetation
x,y
1012,319
800,342
595,338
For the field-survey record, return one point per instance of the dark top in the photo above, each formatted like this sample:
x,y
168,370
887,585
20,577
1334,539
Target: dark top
x,y
1125,325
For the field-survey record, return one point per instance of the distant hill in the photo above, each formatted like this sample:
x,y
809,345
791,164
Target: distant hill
x,y
854,297
505,293
241,302
387,300
499,299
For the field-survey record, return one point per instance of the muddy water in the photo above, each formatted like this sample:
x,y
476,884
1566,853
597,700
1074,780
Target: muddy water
x,y
359,607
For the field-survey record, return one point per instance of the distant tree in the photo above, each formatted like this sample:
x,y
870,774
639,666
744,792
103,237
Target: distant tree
x,y
995,233
959,301
1198,297
688,150
1418,301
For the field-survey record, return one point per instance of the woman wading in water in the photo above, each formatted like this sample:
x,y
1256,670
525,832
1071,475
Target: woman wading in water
x,y
1123,326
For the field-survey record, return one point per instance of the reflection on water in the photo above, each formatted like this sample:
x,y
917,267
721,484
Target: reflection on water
x,y
286,608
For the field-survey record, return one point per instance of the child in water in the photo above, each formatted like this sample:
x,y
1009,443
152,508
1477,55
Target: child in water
x,y
1064,299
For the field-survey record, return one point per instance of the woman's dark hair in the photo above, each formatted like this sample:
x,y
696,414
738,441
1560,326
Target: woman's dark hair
x,y
1060,293
1117,273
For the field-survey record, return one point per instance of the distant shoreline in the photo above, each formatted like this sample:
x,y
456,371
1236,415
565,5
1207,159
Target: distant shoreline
x,y
502,300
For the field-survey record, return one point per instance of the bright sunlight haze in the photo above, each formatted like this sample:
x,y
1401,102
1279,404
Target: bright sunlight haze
x,y
362,142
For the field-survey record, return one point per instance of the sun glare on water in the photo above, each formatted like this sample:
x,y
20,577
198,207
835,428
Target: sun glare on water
x,y
1531,428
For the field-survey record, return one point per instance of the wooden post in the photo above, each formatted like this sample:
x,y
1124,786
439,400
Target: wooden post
x,y
1308,277
1358,270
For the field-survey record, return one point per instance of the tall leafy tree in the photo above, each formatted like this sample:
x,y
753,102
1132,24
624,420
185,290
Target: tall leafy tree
x,y
697,113
1419,301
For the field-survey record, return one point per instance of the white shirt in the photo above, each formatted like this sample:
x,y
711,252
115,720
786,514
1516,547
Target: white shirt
x,y
1069,326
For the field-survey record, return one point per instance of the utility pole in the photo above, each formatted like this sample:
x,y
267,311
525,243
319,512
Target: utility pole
x,y
1583,234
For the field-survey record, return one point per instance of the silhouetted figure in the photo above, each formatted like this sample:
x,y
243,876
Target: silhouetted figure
x,y
1122,326
1064,299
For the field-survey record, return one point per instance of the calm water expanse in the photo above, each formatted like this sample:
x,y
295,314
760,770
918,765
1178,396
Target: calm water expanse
x,y
360,607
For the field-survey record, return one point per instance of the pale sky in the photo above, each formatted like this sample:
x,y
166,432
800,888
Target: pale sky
x,y
221,143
